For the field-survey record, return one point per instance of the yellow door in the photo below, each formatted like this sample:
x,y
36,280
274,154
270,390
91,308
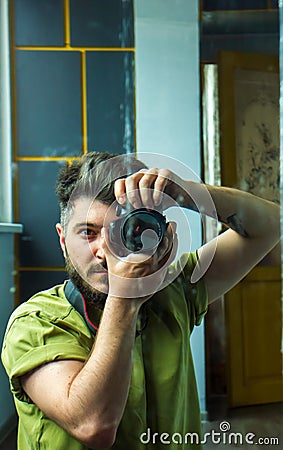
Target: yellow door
x,y
254,321
249,153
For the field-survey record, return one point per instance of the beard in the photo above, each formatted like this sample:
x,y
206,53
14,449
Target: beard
x,y
92,296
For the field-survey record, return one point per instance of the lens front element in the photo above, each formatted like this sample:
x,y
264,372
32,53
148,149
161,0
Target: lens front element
x,y
143,229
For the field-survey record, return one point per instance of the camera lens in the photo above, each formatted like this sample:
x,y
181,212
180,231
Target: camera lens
x,y
143,229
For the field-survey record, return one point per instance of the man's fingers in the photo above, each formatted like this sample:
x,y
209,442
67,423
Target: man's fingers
x,y
120,190
142,189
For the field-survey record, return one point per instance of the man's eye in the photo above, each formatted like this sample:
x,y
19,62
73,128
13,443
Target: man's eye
x,y
87,232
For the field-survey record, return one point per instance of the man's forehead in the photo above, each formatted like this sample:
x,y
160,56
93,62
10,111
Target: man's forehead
x,y
88,210
87,207
82,203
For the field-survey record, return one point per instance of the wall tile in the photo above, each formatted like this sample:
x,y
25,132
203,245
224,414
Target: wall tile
x,y
39,212
48,96
39,22
32,282
97,23
110,94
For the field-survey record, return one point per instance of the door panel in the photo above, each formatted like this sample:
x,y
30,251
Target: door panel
x,y
249,154
254,323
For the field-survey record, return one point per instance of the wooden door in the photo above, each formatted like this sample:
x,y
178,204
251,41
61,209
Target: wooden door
x,y
253,317
249,154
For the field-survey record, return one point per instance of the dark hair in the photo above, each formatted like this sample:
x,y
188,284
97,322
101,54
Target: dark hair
x,y
93,176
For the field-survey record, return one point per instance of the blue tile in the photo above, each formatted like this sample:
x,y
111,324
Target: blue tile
x,y
39,22
32,282
48,97
97,23
39,213
110,95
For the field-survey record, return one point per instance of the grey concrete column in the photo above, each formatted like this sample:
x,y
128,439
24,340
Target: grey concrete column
x,y
5,118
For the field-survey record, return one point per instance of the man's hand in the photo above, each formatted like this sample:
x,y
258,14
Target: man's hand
x,y
146,188
139,275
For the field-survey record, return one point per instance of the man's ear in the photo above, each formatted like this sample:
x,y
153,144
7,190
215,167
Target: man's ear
x,y
61,235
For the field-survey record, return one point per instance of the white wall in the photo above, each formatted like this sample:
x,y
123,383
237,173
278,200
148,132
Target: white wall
x,y
168,103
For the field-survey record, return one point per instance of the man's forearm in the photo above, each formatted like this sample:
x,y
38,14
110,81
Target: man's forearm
x,y
98,394
247,214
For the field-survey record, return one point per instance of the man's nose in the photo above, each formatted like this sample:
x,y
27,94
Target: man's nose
x,y
99,253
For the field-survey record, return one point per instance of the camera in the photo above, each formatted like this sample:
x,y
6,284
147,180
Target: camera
x,y
137,229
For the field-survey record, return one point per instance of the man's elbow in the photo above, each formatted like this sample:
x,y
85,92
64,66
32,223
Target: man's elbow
x,y
96,438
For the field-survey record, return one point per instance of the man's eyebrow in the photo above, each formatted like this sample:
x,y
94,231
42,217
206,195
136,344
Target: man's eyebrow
x,y
86,225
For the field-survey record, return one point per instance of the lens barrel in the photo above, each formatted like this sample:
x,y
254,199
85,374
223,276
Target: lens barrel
x,y
140,229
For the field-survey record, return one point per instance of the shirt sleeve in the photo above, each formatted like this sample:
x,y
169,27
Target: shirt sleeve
x,y
195,293
32,340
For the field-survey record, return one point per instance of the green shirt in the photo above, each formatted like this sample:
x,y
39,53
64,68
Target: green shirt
x,y
162,409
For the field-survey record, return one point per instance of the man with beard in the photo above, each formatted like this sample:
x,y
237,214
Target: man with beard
x,y
104,360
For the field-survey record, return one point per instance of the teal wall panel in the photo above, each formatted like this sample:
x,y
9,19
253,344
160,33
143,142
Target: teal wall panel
x,y
97,23
39,213
32,282
48,96
39,22
110,94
